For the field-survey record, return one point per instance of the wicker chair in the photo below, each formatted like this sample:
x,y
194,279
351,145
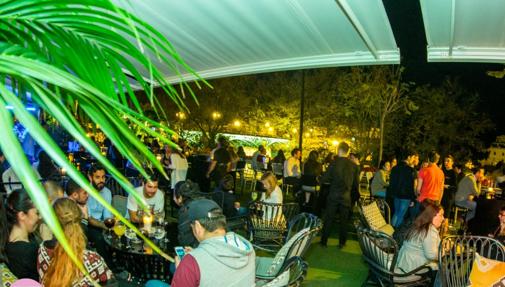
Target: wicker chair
x,y
457,253
376,215
380,253
268,223
292,273
268,268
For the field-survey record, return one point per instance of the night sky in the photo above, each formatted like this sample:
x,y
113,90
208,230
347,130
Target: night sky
x,y
406,20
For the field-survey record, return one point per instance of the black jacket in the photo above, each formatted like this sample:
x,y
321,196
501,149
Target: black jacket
x,y
343,177
401,182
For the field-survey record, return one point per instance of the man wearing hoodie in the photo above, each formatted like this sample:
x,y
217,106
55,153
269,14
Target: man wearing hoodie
x,y
221,258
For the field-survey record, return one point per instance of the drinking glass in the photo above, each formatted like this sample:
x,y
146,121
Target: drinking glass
x,y
159,217
109,223
120,230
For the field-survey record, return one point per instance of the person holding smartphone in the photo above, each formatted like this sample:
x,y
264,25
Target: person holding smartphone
x,y
221,259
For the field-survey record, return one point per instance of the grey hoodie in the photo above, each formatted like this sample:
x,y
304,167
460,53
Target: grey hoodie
x,y
225,261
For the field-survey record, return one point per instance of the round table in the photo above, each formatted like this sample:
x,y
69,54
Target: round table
x,y
140,260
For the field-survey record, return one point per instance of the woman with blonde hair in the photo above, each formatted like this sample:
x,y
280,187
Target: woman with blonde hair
x,y
55,266
273,193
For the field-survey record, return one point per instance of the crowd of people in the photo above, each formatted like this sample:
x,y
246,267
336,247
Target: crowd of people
x,y
418,198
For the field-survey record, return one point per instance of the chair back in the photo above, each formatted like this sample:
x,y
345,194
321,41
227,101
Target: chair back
x,y
302,221
379,250
381,203
144,266
292,273
294,247
457,253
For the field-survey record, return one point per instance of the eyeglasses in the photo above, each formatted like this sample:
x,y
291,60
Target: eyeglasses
x,y
501,214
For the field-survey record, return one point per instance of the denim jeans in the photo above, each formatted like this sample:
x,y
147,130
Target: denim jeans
x,y
471,205
401,206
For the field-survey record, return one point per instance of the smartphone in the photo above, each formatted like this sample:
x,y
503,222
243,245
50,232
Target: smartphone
x,y
179,250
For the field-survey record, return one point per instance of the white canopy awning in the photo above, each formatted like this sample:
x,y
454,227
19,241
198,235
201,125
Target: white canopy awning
x,y
465,30
219,38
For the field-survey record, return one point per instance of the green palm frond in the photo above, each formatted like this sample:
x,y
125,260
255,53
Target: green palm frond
x,y
76,57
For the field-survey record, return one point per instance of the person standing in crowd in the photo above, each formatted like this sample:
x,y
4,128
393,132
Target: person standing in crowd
x,y
468,188
279,157
221,259
178,167
430,180
220,163
22,220
343,177
292,169
401,187
54,264
380,180
450,183
241,153
312,168
254,158
151,196
422,240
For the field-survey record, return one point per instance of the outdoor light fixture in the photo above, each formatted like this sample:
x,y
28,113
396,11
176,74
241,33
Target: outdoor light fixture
x,y
236,123
216,115
267,124
270,130
335,143
294,131
180,115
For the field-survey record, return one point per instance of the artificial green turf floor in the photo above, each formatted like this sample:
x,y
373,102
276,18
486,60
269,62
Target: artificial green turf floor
x,y
331,266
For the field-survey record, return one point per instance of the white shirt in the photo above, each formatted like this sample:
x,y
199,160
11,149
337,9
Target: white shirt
x,y
178,169
275,196
158,200
9,176
292,167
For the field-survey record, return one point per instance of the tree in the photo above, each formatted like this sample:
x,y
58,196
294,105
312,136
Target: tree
x,y
75,58
447,120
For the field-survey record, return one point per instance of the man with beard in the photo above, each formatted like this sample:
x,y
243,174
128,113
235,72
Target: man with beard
x,y
97,212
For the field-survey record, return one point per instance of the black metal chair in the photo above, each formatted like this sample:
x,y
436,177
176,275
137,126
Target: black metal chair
x,y
457,253
380,253
270,268
292,273
267,224
302,221
144,267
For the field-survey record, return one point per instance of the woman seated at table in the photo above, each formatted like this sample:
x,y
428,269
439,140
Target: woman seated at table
x,y
422,240
55,266
499,233
273,193
21,249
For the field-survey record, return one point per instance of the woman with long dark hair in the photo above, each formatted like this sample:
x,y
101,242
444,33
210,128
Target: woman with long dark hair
x,y
22,220
7,278
422,239
56,269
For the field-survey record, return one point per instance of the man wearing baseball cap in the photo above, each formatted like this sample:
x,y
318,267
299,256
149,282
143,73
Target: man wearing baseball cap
x,y
221,259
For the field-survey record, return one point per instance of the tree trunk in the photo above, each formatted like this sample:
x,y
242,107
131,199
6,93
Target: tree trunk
x,y
381,138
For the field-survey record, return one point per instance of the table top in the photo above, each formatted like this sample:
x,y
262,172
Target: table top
x,y
136,245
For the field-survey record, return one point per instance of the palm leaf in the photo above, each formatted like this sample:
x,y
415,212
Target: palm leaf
x,y
39,40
